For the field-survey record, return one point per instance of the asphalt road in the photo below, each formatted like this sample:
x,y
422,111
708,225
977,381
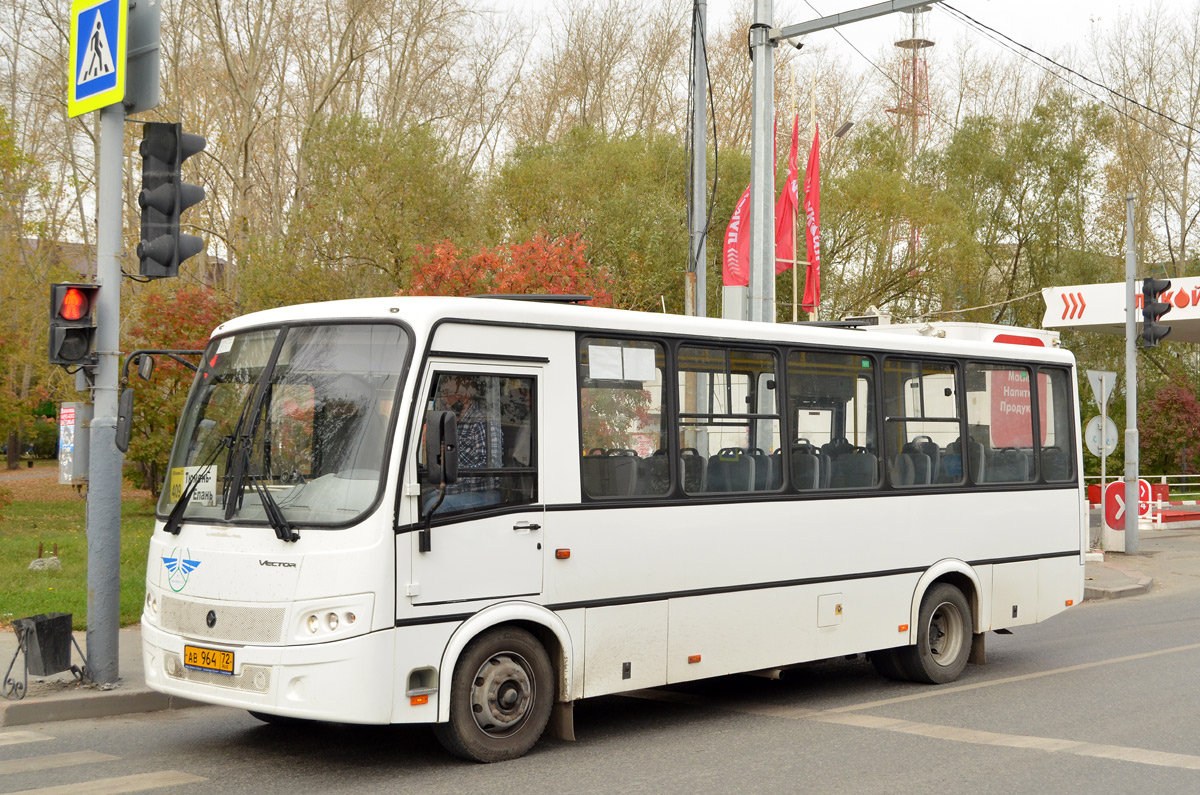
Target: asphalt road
x,y
1100,699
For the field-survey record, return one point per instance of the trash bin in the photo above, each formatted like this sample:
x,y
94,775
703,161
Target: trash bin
x,y
47,642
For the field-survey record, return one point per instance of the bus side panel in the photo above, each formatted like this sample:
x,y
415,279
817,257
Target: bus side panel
x,y
626,648
1015,593
418,651
779,626
1060,585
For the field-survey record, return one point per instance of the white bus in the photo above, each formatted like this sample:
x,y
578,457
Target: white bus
x,y
611,500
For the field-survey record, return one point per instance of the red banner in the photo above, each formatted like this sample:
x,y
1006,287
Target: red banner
x,y
785,209
812,224
736,260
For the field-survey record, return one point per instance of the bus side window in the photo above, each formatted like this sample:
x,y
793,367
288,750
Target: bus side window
x,y
620,412
923,429
497,441
729,417
1054,411
832,407
1000,417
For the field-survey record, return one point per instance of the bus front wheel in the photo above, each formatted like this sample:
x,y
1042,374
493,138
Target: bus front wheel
x,y
500,697
943,637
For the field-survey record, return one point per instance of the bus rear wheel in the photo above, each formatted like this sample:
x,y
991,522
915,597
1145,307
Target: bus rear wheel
x,y
943,637
500,697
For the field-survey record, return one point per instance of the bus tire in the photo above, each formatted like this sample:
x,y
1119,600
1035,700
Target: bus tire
x,y
500,697
887,664
943,637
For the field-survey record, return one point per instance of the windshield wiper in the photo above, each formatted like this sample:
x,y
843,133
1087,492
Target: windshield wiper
x,y
284,530
174,521
245,436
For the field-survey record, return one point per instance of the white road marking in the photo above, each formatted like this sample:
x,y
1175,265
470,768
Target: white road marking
x,y
14,738
35,763
116,786
842,716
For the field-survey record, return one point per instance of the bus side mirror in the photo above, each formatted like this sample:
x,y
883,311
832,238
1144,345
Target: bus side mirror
x,y
145,366
441,446
124,419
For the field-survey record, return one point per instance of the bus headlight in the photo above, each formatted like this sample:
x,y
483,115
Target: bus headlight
x,y
320,620
151,603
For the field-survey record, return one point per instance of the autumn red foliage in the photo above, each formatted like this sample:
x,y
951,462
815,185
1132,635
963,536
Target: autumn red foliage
x,y
1169,427
556,266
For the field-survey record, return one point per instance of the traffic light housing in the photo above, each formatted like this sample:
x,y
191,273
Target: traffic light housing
x,y
1153,310
73,324
164,197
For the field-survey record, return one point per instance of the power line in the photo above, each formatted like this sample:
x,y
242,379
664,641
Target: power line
x,y
1065,68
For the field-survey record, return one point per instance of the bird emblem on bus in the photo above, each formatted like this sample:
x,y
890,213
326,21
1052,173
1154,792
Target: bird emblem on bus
x,y
179,568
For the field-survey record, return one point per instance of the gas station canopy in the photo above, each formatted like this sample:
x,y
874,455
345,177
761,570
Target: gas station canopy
x,y
1101,308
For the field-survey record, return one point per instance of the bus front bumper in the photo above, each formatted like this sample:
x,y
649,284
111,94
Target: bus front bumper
x,y
346,681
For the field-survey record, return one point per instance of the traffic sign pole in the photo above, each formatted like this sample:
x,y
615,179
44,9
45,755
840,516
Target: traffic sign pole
x,y
104,459
1131,430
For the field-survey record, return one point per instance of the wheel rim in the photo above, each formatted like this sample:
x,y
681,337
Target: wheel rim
x,y
945,633
502,694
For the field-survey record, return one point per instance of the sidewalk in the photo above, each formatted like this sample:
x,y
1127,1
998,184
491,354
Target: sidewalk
x,y
1169,562
60,697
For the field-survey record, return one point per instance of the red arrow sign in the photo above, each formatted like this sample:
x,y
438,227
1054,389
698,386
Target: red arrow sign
x,y
1073,306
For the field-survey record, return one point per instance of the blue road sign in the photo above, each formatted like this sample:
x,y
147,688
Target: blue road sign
x,y
97,69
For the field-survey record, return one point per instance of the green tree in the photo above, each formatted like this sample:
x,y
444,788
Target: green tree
x,y
625,197
372,196
1169,431
182,319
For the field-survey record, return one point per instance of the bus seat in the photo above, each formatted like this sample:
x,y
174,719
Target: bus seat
x,y
762,470
853,470
920,462
775,462
1054,464
654,474
695,470
903,471
623,466
806,468
1009,465
926,445
613,474
731,469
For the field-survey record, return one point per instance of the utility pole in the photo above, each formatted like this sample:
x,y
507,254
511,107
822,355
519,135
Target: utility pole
x,y
761,295
763,38
1131,429
104,460
696,288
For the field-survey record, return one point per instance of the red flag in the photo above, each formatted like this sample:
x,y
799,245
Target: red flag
x,y
736,259
812,223
785,209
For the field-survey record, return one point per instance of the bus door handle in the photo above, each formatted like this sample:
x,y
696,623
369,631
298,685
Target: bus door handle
x,y
525,527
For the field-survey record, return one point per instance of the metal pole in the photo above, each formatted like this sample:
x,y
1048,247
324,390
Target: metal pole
x,y
1131,430
698,252
104,461
761,300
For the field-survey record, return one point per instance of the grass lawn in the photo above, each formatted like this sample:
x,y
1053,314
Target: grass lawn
x,y
44,512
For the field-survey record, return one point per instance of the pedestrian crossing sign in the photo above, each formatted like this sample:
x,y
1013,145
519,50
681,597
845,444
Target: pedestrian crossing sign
x,y
97,69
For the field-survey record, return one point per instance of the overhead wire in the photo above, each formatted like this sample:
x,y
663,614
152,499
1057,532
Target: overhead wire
x,y
982,26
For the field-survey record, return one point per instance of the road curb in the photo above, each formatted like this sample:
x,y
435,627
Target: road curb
x,y
95,704
1094,593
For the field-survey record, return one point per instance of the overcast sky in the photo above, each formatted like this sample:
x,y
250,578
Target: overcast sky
x,y
1050,26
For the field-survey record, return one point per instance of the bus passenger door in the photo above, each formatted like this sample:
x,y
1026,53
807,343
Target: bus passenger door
x,y
486,536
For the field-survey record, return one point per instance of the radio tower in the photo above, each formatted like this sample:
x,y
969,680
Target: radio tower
x,y
911,112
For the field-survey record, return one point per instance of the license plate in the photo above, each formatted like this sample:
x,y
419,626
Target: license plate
x,y
203,659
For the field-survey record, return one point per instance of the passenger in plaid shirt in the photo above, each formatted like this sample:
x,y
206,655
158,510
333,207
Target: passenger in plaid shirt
x,y
480,445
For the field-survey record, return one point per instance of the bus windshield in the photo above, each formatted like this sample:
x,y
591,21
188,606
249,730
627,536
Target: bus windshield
x,y
307,409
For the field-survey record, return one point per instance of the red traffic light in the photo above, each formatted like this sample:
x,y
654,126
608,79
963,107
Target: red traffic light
x,y
75,304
